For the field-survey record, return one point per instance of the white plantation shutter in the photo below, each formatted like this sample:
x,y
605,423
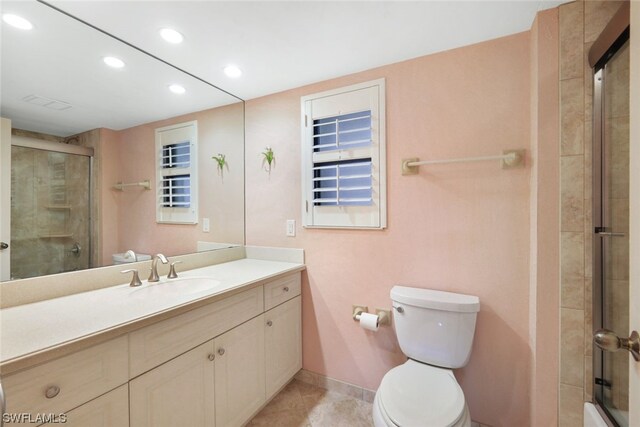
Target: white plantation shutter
x,y
344,180
176,174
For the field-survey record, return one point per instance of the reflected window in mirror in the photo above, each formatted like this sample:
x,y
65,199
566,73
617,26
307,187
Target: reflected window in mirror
x,y
177,174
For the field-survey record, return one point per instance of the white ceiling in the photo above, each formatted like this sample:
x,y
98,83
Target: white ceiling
x,y
61,59
286,44
278,45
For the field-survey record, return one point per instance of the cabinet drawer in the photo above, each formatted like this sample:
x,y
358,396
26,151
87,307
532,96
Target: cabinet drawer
x,y
281,290
78,378
155,344
111,409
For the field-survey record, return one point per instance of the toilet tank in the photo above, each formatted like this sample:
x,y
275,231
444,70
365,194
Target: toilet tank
x,y
435,327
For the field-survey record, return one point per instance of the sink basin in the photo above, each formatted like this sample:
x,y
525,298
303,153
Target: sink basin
x,y
175,287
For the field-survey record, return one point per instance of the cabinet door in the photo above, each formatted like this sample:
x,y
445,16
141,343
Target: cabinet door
x,y
239,379
177,393
283,344
111,409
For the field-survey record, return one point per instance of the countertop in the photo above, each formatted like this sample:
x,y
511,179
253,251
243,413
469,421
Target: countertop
x,y
33,333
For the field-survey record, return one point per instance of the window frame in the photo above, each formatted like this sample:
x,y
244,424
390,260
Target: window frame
x,y
373,217
175,215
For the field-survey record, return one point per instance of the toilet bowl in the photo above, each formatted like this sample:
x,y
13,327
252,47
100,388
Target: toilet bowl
x,y
435,330
420,395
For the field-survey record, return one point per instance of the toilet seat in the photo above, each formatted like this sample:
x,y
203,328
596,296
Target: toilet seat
x,y
416,394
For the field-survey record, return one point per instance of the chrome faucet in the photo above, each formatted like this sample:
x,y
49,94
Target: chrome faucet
x,y
131,254
153,277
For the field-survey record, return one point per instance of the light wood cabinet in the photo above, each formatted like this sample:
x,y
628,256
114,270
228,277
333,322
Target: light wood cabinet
x,y
155,344
108,410
283,344
65,383
177,393
214,366
240,373
281,289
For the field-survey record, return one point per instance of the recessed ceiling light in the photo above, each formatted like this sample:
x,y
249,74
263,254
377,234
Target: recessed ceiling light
x,y
17,21
177,89
114,62
232,71
172,36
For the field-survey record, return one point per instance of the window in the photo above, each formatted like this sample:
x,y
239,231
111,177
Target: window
x,y
176,174
343,157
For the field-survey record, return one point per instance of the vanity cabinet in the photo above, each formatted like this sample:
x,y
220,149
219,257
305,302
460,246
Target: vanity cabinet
x,y
283,344
240,373
213,366
179,392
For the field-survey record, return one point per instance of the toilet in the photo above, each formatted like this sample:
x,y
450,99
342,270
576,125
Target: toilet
x,y
435,331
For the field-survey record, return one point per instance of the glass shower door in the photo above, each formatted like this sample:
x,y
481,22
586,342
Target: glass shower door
x,y
50,215
611,242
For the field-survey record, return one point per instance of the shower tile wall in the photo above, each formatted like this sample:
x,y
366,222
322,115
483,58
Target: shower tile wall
x,y
580,25
45,221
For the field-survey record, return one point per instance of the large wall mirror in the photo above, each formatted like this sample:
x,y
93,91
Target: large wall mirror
x,y
109,149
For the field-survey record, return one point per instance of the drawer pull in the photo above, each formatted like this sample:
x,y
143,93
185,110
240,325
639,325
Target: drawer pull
x,y
269,323
221,351
286,289
52,392
211,357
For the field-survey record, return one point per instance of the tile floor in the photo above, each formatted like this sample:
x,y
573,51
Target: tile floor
x,y
304,405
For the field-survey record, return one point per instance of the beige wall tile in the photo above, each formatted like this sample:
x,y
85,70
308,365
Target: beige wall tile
x,y
571,406
596,16
572,193
571,258
572,293
571,40
588,378
572,116
588,317
588,238
572,348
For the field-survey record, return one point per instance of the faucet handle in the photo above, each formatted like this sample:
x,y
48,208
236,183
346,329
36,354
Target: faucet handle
x,y
135,280
172,270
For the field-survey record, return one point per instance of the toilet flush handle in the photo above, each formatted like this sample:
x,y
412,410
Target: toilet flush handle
x,y
399,309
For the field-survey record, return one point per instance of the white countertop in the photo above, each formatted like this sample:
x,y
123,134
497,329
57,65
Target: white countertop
x,y
32,328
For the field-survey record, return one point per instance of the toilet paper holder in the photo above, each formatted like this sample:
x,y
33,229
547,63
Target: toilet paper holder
x,y
384,315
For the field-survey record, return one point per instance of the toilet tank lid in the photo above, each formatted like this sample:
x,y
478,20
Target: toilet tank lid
x,y
438,300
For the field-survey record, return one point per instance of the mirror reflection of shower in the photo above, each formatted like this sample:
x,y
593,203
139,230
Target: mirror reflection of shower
x,y
50,207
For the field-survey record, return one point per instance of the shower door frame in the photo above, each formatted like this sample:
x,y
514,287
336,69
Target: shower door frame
x,y
600,193
38,144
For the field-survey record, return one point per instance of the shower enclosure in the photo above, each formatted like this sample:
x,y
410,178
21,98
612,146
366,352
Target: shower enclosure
x,y
611,229
50,208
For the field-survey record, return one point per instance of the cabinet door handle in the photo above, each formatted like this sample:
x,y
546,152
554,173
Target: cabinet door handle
x,y
52,392
221,351
211,357
269,323
286,289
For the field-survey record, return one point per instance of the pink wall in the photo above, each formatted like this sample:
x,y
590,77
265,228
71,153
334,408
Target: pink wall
x,y
462,228
545,214
220,130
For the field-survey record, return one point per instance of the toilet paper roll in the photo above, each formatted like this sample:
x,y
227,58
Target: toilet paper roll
x,y
369,321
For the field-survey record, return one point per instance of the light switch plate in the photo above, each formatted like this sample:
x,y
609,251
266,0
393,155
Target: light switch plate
x,y
205,225
291,227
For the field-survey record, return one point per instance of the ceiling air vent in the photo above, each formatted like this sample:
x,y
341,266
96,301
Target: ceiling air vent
x,y
47,102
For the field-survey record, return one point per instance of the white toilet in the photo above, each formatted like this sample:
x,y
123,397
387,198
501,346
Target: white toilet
x,y
435,330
